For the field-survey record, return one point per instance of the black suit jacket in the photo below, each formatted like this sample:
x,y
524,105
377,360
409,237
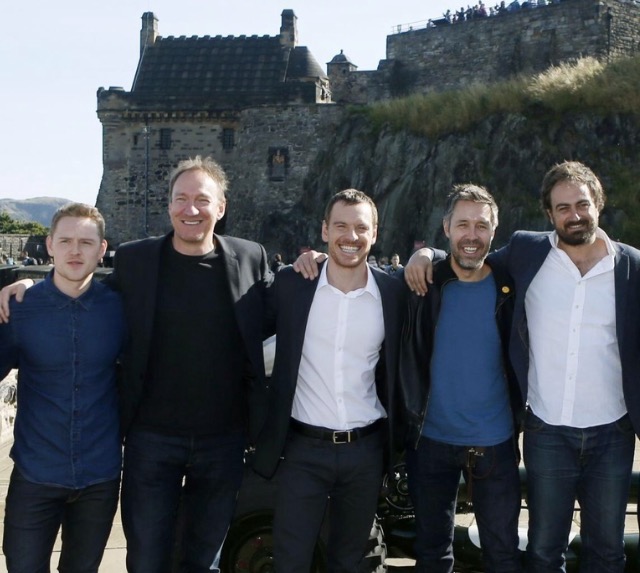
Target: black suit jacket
x,y
290,305
135,275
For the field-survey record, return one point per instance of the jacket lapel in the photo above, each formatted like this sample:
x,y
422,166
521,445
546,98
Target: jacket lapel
x,y
148,302
301,300
231,266
621,279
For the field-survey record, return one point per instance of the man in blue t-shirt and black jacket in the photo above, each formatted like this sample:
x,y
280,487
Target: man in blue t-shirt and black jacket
x,y
461,399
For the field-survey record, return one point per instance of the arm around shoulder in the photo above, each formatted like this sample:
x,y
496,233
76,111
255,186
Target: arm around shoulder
x,y
16,289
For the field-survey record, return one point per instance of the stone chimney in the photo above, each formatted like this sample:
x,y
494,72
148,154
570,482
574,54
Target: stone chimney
x,y
289,29
149,31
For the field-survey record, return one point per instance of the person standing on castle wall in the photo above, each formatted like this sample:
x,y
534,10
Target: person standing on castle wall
x,y
193,389
64,339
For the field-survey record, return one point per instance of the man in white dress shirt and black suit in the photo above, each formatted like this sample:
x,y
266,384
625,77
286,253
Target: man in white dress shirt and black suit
x,y
332,393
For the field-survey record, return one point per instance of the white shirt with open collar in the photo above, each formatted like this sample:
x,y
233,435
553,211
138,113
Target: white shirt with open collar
x,y
575,375
336,380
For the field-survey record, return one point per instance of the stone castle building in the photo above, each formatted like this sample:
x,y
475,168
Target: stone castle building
x,y
264,108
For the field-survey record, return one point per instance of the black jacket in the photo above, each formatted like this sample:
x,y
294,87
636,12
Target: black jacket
x,y
291,300
135,276
416,347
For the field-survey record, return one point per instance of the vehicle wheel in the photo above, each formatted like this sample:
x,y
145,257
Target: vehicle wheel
x,y
249,547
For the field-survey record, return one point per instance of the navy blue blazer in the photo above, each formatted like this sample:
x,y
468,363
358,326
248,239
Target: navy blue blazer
x,y
289,307
135,276
523,257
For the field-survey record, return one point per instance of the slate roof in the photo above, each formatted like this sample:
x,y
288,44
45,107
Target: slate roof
x,y
231,71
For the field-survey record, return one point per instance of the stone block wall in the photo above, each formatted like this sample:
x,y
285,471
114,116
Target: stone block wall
x,y
134,187
11,245
492,49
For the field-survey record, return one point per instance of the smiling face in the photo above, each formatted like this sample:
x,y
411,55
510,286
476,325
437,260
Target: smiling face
x,y
76,248
573,213
349,234
470,231
197,204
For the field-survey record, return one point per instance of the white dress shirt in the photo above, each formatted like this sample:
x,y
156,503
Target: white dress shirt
x,y
336,380
575,375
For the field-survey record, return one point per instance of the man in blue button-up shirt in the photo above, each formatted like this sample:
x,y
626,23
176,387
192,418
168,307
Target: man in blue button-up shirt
x,y
64,339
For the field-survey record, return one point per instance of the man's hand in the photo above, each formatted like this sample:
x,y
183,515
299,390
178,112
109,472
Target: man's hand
x,y
419,271
16,289
307,264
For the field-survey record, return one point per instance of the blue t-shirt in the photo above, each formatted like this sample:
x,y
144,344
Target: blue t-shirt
x,y
469,400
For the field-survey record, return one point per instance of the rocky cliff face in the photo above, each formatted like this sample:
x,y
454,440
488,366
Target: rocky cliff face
x,y
409,176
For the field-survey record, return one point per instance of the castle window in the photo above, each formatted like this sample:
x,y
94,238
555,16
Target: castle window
x,y
135,139
165,138
278,163
228,138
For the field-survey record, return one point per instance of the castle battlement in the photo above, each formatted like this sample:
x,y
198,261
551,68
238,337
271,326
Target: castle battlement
x,y
491,49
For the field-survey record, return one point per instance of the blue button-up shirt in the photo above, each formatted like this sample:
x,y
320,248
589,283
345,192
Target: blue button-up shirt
x,y
66,429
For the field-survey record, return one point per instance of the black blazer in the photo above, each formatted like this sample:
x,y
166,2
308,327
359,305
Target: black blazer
x,y
523,257
135,276
290,305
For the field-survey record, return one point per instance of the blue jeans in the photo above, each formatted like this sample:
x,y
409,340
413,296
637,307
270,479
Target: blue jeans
x,y
433,471
200,476
34,514
592,465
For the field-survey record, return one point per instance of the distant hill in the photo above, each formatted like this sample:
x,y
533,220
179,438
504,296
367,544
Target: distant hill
x,y
38,209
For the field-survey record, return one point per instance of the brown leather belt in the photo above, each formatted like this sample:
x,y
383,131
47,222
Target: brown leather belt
x,y
335,436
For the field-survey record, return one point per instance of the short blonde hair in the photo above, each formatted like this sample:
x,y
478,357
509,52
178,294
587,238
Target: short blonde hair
x,y
78,210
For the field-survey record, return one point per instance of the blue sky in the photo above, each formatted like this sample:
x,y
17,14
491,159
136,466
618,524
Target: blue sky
x,y
55,55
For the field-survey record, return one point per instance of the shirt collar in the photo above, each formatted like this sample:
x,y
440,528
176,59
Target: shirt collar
x,y
553,238
371,287
85,299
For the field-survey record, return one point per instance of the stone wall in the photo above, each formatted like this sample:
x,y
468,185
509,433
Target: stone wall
x,y
259,206
136,163
491,49
11,245
133,192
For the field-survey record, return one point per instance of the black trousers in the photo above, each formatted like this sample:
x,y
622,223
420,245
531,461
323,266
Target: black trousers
x,y
313,475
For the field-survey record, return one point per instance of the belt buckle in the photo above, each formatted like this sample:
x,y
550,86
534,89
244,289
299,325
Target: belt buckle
x,y
342,437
